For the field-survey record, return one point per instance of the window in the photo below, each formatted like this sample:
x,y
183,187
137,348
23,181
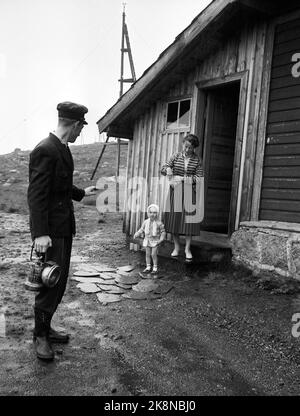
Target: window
x,y
178,114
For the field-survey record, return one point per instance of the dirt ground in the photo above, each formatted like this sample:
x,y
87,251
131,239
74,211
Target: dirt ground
x,y
217,332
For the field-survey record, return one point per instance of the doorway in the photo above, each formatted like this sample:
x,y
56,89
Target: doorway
x,y
219,133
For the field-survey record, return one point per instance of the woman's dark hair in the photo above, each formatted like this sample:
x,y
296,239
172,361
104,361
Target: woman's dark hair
x,y
192,139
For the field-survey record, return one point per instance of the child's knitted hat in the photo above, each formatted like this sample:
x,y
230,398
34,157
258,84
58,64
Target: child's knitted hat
x,y
156,207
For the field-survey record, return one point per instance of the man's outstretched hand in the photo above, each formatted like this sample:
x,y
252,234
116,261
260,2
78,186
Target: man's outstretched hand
x,y
90,190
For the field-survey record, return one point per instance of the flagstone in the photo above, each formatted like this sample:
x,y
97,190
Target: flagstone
x,y
108,276
107,282
135,295
86,279
123,285
88,287
106,298
145,286
83,273
103,267
124,273
127,268
127,279
116,290
164,288
106,287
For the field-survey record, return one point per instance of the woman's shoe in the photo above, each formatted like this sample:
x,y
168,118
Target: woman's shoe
x,y
188,258
174,253
147,270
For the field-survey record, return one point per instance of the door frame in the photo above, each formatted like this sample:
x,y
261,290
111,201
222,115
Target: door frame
x,y
200,115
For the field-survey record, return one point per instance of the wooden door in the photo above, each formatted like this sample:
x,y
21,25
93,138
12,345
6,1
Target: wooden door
x,y
219,150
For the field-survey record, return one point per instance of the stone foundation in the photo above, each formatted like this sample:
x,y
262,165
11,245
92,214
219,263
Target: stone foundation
x,y
267,245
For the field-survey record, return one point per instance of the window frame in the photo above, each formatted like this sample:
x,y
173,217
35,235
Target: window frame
x,y
178,100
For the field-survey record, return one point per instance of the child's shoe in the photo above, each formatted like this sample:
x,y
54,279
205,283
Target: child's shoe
x,y
154,273
146,273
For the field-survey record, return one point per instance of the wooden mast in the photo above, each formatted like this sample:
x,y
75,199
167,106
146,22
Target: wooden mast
x,y
122,80
127,49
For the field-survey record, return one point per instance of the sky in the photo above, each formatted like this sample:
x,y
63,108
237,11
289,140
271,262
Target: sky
x,y
69,50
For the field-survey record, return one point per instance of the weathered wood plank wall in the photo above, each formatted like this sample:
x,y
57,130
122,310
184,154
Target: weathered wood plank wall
x,y
280,194
152,144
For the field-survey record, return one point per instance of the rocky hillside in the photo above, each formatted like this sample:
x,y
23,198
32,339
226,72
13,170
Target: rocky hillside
x,y
14,172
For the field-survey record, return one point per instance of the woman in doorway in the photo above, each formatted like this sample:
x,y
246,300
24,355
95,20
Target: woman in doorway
x,y
184,171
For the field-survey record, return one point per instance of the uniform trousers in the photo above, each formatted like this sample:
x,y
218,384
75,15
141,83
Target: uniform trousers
x,y
48,299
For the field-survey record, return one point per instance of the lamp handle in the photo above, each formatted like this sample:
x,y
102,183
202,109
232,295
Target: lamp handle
x,y
41,256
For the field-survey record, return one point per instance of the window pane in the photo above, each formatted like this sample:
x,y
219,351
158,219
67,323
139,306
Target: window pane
x,y
172,115
184,113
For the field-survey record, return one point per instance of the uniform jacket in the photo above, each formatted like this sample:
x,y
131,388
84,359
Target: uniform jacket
x,y
51,189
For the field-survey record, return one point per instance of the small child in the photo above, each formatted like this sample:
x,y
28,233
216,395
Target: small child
x,y
154,234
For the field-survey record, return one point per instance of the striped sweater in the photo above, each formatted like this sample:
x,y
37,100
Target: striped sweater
x,y
176,163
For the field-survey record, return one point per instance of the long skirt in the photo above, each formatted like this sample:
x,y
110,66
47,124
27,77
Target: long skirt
x,y
183,210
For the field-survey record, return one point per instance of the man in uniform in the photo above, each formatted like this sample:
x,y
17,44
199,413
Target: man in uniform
x,y
52,222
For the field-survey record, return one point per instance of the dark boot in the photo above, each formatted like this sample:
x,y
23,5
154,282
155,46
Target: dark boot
x,y
41,335
43,348
58,337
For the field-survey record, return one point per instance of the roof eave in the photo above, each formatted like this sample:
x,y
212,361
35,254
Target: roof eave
x,y
166,57
214,12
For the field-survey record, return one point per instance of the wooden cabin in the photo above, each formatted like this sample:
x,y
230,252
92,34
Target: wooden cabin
x,y
232,77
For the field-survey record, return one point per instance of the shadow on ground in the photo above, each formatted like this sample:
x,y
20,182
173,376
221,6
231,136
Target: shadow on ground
x,y
219,331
